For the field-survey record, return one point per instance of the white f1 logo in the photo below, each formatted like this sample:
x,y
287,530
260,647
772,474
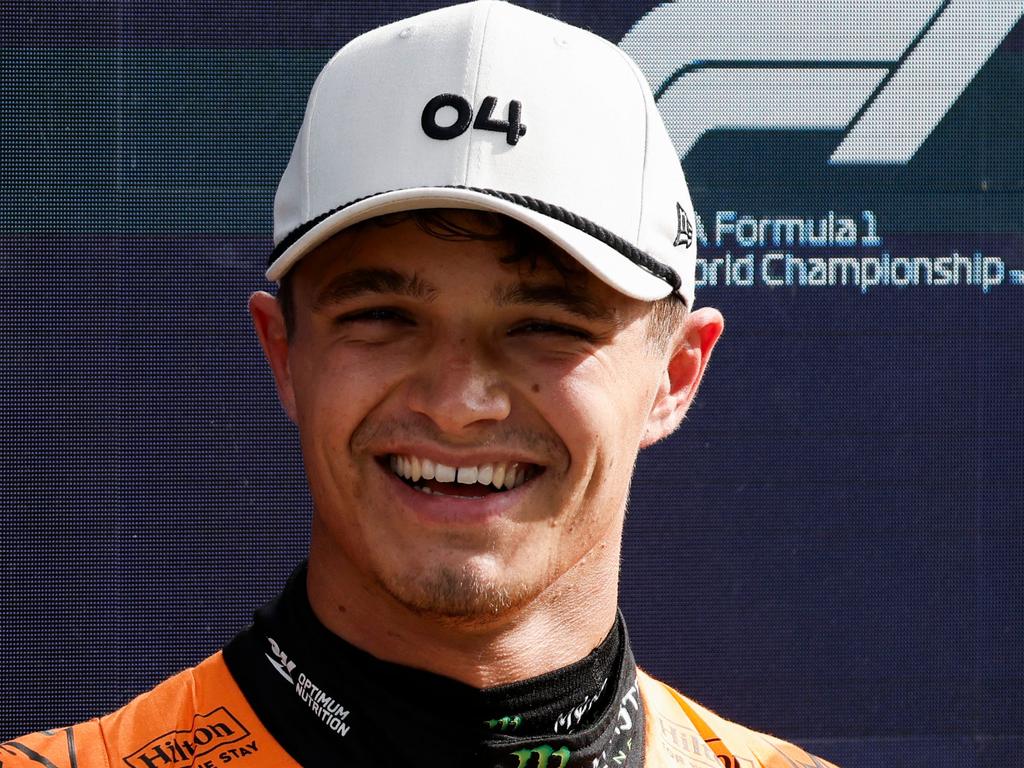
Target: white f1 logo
x,y
886,70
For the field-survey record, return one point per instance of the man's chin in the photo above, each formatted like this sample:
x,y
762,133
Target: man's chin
x,y
459,596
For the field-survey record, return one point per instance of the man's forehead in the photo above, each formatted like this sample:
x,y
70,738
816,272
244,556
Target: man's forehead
x,y
418,254
390,242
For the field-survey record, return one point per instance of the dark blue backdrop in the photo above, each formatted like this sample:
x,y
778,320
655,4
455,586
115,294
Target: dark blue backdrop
x,y
830,548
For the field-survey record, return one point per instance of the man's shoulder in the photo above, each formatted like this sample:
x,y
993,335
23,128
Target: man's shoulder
x,y
680,730
198,717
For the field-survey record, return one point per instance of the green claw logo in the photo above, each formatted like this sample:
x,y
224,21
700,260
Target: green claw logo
x,y
544,753
505,724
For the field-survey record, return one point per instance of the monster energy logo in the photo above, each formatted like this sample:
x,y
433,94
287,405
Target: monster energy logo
x,y
544,754
504,724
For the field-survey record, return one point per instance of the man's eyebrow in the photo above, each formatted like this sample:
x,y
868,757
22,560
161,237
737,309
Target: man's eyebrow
x,y
360,282
557,296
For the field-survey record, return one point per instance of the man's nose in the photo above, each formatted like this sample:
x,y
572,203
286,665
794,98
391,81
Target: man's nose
x,y
459,385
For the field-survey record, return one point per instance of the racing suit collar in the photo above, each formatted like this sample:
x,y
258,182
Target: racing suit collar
x,y
324,699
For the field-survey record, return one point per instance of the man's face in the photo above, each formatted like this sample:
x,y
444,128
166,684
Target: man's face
x,y
415,356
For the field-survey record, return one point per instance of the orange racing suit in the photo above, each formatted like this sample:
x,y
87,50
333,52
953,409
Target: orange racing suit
x,y
199,718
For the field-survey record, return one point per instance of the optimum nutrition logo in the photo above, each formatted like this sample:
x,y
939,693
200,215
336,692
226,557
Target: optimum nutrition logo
x,y
330,712
884,73
284,666
208,733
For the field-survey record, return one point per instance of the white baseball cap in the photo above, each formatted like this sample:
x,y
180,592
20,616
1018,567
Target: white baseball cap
x,y
492,107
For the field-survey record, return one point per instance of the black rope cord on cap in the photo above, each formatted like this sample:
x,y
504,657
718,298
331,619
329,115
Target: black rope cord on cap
x,y
585,225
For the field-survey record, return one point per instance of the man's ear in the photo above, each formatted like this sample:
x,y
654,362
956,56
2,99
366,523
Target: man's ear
x,y
689,359
268,320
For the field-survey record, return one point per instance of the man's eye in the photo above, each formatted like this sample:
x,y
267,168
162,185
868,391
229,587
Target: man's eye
x,y
373,315
556,329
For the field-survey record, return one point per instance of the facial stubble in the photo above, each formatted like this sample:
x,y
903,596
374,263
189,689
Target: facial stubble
x,y
462,593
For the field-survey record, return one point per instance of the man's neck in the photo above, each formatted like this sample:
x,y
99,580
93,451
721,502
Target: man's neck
x,y
557,628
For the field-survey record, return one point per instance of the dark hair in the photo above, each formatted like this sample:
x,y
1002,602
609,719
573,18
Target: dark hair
x,y
529,248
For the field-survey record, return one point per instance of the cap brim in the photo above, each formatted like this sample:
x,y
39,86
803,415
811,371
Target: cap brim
x,y
602,260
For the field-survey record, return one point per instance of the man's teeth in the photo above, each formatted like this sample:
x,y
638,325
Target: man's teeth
x,y
501,475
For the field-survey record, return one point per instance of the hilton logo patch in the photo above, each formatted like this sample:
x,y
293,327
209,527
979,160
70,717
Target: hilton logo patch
x,y
209,732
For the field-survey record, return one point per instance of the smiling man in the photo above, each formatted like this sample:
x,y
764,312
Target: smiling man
x,y
485,258
469,437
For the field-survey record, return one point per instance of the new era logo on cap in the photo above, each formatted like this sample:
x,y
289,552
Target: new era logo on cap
x,y
567,140
684,229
